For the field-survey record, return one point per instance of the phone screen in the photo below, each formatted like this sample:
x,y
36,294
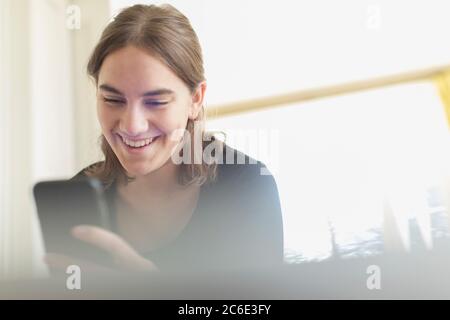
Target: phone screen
x,y
64,204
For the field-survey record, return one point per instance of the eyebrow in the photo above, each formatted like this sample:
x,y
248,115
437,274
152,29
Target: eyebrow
x,y
157,92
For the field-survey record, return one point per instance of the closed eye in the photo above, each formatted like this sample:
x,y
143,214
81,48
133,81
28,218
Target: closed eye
x,y
150,103
113,101
153,103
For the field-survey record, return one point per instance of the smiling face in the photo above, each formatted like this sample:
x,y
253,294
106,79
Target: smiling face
x,y
140,104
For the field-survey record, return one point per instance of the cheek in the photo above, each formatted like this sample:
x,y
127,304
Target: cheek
x,y
106,117
106,120
174,120
102,115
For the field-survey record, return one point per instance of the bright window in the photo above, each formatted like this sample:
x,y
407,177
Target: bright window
x,y
337,160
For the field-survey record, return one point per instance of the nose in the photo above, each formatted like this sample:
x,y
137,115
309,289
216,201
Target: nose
x,y
133,122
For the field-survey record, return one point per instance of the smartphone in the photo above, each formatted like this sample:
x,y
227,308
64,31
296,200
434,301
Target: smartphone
x,y
64,204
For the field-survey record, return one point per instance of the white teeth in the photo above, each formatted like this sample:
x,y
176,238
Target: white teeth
x,y
137,144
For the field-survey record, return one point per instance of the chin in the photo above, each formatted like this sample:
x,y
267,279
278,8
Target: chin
x,y
138,170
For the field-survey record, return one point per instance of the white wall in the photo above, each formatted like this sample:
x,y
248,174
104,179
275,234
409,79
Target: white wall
x,y
48,114
18,131
16,139
95,16
52,82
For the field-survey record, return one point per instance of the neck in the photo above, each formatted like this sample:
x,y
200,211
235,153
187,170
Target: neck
x,y
162,181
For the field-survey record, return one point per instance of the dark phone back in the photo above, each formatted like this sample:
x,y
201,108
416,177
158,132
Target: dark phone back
x,y
63,204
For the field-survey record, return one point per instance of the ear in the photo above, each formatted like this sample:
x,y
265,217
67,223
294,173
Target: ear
x,y
197,100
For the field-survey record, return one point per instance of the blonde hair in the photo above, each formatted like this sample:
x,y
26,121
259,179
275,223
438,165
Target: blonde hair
x,y
166,33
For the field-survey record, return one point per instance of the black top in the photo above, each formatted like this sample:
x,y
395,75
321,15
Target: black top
x,y
237,223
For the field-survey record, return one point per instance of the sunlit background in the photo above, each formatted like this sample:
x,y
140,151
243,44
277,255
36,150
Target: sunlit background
x,y
356,172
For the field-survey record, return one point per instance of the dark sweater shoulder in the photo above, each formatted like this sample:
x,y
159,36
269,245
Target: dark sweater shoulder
x,y
245,203
245,179
82,173
237,165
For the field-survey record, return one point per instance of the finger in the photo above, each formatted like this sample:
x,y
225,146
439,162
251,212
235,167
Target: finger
x,y
103,239
121,251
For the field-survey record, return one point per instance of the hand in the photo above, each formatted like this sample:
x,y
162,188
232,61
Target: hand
x,y
125,258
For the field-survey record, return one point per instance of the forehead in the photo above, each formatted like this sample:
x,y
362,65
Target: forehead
x,y
133,70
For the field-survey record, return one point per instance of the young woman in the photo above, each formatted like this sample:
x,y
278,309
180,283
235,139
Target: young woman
x,y
167,214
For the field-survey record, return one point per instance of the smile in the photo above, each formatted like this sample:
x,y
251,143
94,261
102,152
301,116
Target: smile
x,y
138,144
